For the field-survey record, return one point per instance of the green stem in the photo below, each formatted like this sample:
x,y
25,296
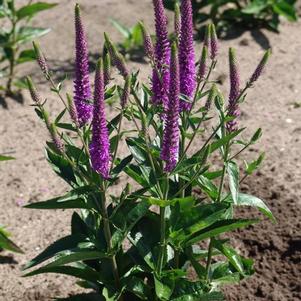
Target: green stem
x,y
108,237
118,138
209,259
163,230
213,63
12,61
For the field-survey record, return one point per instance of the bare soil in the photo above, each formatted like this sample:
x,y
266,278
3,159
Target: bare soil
x,y
272,105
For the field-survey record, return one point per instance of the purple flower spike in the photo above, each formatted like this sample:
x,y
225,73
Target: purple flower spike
x,y
186,54
82,88
100,144
170,144
233,108
260,68
160,82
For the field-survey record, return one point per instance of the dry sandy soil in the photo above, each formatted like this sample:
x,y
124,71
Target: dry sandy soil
x,y
270,105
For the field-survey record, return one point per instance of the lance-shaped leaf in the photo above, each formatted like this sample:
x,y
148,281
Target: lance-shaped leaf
x,y
63,244
184,225
233,173
34,8
125,219
79,271
250,200
220,227
75,199
7,244
6,158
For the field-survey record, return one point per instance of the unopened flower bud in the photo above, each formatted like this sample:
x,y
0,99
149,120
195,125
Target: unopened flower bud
x,y
211,96
213,42
33,92
148,44
177,21
41,60
72,110
56,139
116,57
260,68
106,69
203,65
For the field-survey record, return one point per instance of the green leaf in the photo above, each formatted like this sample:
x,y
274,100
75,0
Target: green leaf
x,y
186,290
255,7
250,200
65,243
256,136
136,286
81,272
223,141
135,173
6,158
120,165
166,203
27,34
67,126
26,56
220,227
60,116
251,167
75,199
75,255
233,173
61,166
231,254
126,218
183,226
221,274
32,9
7,244
145,236
164,287
121,28
286,10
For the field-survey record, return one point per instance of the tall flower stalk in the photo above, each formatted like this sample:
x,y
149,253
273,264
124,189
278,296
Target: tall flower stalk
x,y
233,106
260,68
187,55
170,144
100,144
82,88
161,76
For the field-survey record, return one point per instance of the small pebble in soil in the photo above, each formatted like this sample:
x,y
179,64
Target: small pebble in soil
x,y
288,120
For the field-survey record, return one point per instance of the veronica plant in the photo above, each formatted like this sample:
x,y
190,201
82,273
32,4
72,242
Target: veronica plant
x,y
15,33
167,235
